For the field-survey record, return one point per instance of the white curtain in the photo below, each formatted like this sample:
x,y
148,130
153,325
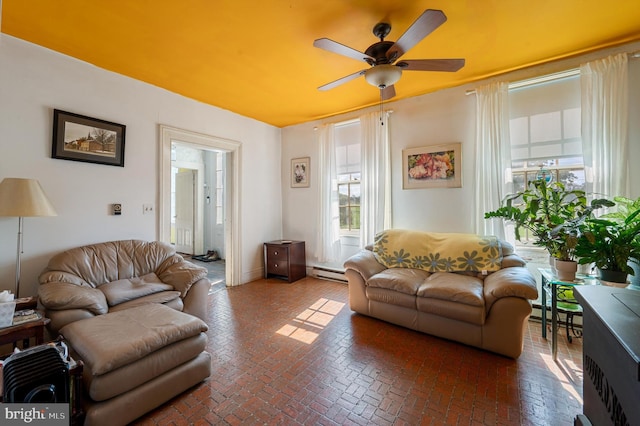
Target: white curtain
x,y
493,156
375,186
328,228
605,116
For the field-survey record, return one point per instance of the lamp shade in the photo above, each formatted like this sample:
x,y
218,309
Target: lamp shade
x,y
24,198
382,76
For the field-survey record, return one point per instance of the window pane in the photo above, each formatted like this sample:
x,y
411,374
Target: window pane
x,y
553,150
355,217
343,194
344,220
519,131
546,127
355,193
571,123
572,179
518,182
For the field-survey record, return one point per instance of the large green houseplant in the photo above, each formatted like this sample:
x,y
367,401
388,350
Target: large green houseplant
x,y
551,213
612,241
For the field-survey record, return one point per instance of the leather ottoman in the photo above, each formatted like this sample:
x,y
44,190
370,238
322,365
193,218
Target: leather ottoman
x,y
137,359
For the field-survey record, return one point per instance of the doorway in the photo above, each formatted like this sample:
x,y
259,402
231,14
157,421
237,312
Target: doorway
x,y
199,203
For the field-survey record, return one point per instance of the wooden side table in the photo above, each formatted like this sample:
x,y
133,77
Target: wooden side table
x,y
285,259
26,331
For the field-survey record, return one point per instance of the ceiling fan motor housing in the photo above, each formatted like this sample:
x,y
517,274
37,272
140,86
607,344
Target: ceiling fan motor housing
x,y
378,51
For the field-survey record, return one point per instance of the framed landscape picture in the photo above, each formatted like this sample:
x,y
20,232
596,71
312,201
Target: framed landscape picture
x,y
300,172
435,166
80,138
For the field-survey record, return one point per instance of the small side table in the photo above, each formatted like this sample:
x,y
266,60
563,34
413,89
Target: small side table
x,y
551,284
26,331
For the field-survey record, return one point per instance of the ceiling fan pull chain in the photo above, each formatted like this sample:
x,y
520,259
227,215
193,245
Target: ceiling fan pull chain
x,y
381,111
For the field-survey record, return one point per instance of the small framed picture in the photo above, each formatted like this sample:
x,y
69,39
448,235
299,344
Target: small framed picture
x,y
300,172
80,138
435,166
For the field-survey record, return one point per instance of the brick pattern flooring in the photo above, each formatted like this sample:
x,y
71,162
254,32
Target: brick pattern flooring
x,y
295,354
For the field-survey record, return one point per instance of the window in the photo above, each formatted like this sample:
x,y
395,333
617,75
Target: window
x,y
347,143
545,133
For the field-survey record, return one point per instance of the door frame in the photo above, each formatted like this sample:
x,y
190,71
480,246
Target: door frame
x,y
232,241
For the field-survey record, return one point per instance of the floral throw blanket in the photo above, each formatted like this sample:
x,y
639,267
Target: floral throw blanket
x,y
437,252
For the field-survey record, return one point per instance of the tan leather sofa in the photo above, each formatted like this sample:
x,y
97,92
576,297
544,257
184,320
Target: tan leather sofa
x,y
486,311
93,280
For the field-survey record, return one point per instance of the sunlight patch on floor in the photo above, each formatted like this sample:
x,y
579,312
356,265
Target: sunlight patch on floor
x,y
568,375
307,325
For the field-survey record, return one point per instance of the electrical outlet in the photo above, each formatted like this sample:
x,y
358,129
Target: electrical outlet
x,y
147,208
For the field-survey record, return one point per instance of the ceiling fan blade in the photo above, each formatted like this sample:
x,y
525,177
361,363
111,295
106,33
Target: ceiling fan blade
x,y
341,49
388,92
449,65
342,80
422,27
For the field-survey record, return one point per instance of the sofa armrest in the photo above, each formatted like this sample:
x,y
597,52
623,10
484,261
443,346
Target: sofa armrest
x,y
509,282
365,263
180,273
62,296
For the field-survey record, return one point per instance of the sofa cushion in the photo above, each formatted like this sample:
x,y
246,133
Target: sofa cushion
x,y
127,289
453,287
63,295
130,376
447,309
111,261
391,297
110,341
402,280
168,298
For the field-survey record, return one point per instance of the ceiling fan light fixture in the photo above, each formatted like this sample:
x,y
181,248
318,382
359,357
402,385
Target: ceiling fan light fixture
x,y
383,75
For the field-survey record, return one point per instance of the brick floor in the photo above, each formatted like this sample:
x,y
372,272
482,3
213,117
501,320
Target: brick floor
x,y
295,354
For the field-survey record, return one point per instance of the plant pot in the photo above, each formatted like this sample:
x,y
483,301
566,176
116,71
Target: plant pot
x,y
612,276
635,278
566,270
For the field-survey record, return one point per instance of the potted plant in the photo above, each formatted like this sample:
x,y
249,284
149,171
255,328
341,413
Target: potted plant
x,y
611,241
552,214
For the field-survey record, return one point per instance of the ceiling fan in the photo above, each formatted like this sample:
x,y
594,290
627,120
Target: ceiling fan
x,y
382,56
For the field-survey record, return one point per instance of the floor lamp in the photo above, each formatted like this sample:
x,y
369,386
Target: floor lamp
x,y
23,198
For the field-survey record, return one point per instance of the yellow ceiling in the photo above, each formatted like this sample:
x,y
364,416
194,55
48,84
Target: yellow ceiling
x,y
256,58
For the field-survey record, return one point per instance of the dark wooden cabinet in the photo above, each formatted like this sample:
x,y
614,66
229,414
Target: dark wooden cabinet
x,y
285,259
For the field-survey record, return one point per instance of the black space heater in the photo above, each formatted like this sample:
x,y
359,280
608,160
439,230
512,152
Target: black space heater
x,y
36,375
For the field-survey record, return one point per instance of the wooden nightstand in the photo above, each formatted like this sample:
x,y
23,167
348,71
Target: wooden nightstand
x,y
285,259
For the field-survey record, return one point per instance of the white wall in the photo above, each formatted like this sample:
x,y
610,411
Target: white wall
x,y
34,81
441,117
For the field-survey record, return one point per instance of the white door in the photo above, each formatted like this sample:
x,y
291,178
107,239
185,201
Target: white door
x,y
185,211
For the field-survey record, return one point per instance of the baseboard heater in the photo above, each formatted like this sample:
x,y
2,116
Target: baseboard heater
x,y
328,274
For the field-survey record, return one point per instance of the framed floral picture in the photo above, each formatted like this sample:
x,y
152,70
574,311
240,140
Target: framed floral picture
x,y
300,172
435,166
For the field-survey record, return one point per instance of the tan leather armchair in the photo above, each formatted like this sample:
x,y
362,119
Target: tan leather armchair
x,y
96,279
